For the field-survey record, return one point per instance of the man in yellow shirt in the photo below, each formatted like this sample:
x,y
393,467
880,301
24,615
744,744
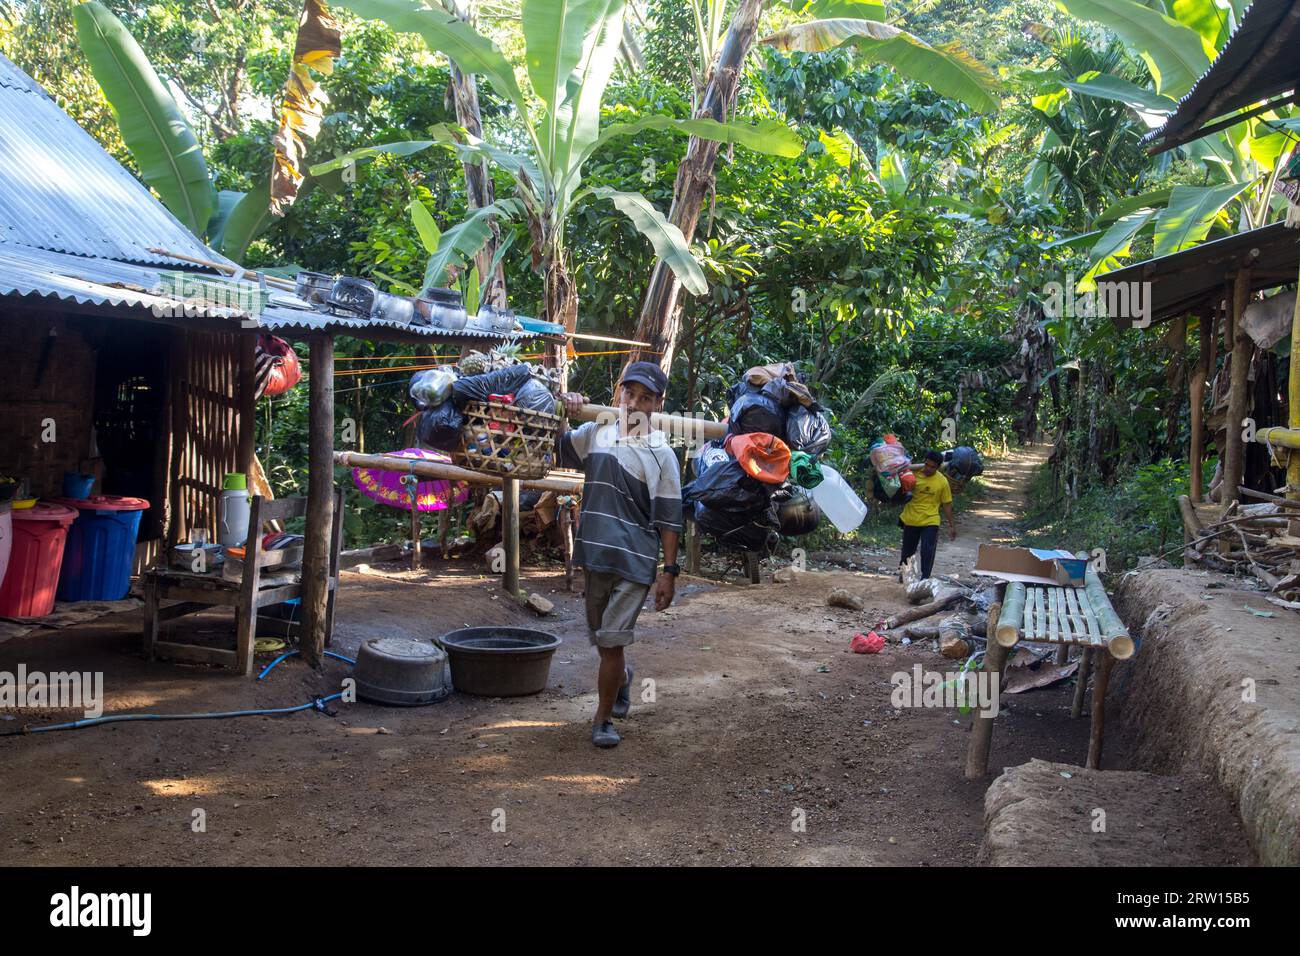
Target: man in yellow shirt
x,y
920,518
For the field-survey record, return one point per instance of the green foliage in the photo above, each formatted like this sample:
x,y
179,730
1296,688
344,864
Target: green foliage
x,y
1134,516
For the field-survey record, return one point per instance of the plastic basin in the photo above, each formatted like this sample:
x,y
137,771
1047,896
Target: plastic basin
x,y
101,547
499,661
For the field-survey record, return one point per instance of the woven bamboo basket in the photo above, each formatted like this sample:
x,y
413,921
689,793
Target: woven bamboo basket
x,y
507,440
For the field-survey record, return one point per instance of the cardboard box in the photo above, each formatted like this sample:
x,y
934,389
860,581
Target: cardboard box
x,y
1031,565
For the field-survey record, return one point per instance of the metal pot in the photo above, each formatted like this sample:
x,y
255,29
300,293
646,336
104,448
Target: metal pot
x,y
393,308
352,296
314,288
444,308
497,320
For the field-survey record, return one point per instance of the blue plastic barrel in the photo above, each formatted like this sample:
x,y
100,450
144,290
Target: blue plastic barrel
x,y
100,552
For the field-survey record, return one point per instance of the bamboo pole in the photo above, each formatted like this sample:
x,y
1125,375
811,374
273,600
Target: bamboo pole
x,y
981,734
1293,412
221,267
1196,397
1113,631
680,425
320,501
1013,612
437,469
1234,457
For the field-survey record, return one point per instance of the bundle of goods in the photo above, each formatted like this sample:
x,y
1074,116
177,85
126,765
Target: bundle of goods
x,y
893,466
492,412
754,486
962,463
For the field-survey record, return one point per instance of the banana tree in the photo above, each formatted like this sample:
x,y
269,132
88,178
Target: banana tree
x,y
161,140
571,49
1241,163
825,25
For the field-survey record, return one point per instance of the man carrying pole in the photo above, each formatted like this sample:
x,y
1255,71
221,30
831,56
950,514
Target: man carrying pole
x,y
631,505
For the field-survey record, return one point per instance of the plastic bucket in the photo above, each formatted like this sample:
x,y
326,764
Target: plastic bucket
x,y
77,485
101,548
30,583
838,501
499,661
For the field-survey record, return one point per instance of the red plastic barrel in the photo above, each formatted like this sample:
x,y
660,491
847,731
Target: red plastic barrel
x,y
35,559
101,547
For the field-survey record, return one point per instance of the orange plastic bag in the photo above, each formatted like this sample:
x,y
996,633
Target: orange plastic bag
x,y
761,456
277,365
907,478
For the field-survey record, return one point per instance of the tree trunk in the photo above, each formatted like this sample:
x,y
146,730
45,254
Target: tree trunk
x,y
478,178
660,318
561,301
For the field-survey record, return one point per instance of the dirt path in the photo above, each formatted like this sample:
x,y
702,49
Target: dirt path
x,y
990,516
761,720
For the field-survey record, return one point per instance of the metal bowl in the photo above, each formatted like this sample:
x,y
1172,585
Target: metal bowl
x,y
353,296
444,308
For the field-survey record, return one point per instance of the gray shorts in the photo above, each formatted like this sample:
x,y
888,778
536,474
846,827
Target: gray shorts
x,y
613,604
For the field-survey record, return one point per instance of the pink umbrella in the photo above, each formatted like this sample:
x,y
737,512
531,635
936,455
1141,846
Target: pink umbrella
x,y
387,488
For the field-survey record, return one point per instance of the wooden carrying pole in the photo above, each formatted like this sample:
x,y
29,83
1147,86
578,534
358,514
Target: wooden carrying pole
x,y
681,425
436,469
320,501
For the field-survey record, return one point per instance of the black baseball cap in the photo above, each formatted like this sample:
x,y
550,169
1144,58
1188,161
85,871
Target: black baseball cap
x,y
646,373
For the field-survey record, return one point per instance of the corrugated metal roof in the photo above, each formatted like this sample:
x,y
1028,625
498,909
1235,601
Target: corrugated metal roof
x,y
1258,62
1193,279
39,273
59,189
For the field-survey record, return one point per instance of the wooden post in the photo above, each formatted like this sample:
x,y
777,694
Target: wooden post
x,y
510,532
566,539
1099,685
247,404
981,733
1234,453
692,547
416,554
1293,415
1081,686
320,501
1196,398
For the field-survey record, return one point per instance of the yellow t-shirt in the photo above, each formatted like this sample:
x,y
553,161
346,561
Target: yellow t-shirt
x,y
927,496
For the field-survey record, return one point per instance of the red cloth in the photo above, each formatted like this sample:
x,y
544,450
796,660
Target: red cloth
x,y
867,643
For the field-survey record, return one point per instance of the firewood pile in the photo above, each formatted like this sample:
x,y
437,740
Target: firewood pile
x,y
1250,538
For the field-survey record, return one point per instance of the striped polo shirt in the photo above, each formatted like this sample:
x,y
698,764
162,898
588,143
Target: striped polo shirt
x,y
633,489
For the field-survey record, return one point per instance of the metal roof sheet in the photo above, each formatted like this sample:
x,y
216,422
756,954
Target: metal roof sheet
x,y
39,273
1258,62
59,189
1196,278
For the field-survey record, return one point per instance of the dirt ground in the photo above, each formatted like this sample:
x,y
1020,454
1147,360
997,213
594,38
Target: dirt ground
x,y
761,718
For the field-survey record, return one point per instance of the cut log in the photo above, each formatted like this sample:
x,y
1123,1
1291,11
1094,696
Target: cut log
x,y
924,611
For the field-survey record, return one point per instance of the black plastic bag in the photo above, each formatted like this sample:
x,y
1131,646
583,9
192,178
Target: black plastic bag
x,y
440,427
964,463
807,430
744,532
757,412
726,487
477,388
711,453
535,396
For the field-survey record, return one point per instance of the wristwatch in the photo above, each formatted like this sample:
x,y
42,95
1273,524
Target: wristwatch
x,y
673,569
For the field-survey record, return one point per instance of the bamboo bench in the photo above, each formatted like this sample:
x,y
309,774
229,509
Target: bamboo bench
x,y
1066,617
